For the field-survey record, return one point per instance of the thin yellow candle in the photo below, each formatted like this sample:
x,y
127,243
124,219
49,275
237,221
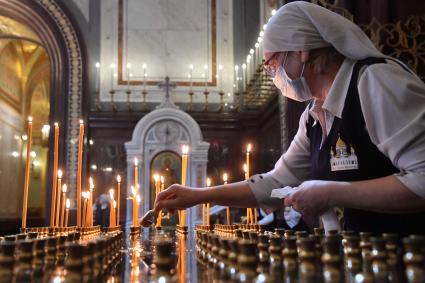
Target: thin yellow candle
x,y
136,186
58,198
157,181
134,197
111,209
83,220
68,205
89,215
138,200
55,175
63,204
118,198
208,204
115,213
248,150
248,210
27,174
79,173
185,151
225,177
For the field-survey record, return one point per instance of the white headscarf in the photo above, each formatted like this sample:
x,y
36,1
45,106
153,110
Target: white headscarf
x,y
301,26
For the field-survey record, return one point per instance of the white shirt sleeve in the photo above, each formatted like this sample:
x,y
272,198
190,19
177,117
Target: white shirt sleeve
x,y
393,105
293,167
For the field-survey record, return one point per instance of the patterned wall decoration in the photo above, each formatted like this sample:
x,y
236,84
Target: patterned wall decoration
x,y
75,80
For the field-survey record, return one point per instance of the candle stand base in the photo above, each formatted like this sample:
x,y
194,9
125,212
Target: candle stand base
x,y
182,230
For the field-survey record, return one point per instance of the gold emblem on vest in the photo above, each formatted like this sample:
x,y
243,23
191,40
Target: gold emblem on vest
x,y
340,158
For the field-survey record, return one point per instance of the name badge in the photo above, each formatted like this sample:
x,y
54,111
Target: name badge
x,y
342,160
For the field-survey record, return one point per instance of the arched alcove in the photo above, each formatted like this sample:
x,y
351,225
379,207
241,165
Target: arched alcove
x,y
166,129
59,37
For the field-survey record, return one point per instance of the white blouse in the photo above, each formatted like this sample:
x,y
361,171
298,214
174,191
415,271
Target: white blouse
x,y
393,105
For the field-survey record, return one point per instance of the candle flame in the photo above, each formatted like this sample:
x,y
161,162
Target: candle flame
x,y
118,178
257,45
64,188
144,66
245,168
91,183
112,66
115,204
220,67
236,67
162,179
225,177
205,67
248,148
136,161
56,124
111,194
133,190
128,65
251,51
138,199
156,177
30,119
243,66
81,122
185,149
97,65
191,66
68,203
208,182
60,174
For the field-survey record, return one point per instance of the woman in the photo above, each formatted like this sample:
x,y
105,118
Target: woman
x,y
361,140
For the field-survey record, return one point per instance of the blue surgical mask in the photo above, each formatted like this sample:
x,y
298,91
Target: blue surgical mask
x,y
296,89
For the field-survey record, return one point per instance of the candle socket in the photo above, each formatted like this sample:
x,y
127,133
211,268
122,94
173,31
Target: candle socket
x,y
190,106
221,109
206,93
129,107
114,106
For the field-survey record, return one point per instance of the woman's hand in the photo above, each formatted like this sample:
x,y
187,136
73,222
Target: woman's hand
x,y
312,197
177,197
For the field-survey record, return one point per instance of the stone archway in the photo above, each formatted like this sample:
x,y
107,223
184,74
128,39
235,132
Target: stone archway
x,y
61,41
166,129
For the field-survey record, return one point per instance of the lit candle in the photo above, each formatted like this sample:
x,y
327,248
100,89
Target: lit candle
x,y
260,50
97,79
138,200
237,77
115,207
220,77
162,182
185,151
111,210
208,204
112,66
55,176
68,205
190,77
133,191
118,198
157,190
27,173
136,187
225,178
58,198
251,52
257,55
248,67
89,216
85,196
79,173
63,204
247,174
248,210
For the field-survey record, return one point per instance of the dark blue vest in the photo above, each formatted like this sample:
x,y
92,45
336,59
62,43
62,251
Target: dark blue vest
x,y
371,163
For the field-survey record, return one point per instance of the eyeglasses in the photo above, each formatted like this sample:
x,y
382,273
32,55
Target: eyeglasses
x,y
272,63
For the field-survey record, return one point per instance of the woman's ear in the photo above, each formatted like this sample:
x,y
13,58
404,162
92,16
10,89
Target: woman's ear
x,y
304,56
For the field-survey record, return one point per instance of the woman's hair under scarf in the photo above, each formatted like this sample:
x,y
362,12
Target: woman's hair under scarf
x,y
301,26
